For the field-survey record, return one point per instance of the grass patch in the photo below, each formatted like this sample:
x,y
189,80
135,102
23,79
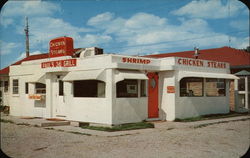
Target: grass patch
x,y
6,121
211,116
123,127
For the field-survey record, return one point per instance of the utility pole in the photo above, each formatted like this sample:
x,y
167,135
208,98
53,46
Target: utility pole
x,y
26,30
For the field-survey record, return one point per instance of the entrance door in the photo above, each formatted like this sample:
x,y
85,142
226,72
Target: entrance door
x,y
60,97
153,111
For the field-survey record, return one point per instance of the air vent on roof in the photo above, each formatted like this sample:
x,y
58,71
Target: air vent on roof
x,y
90,52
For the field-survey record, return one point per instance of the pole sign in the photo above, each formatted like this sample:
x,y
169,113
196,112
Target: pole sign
x,y
59,63
62,46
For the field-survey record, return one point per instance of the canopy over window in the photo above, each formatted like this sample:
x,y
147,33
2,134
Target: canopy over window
x,y
86,75
183,74
126,74
39,77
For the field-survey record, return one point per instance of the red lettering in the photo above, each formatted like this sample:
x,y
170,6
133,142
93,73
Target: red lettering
x,y
179,61
124,60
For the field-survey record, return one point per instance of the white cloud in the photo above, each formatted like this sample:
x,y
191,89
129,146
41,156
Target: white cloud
x,y
240,43
100,19
210,9
8,47
6,21
13,10
240,24
91,40
29,8
147,33
141,20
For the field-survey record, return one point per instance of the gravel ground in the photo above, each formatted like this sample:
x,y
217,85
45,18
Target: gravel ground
x,y
229,140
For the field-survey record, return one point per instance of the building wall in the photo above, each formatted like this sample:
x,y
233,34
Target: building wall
x,y
186,107
166,100
20,104
5,93
232,96
128,110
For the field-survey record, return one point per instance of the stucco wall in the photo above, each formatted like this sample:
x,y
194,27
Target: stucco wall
x,y
194,106
20,104
166,100
128,110
5,94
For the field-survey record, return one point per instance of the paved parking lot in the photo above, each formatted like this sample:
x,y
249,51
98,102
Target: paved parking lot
x,y
222,138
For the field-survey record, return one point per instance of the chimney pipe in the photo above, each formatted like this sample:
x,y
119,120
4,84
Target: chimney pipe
x,y
196,52
26,30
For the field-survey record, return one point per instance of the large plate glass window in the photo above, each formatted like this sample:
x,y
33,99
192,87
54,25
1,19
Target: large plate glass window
x,y
89,88
191,87
215,87
127,88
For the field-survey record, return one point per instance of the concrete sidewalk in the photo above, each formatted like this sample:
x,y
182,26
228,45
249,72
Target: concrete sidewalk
x,y
159,125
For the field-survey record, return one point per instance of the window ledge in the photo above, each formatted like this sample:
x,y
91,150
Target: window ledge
x,y
16,95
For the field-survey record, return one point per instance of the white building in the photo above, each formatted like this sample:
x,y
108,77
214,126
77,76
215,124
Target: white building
x,y
88,86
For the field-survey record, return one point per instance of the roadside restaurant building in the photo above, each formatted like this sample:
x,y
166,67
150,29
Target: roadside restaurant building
x,y
86,85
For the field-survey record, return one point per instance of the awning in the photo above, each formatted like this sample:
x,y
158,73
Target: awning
x,y
86,75
39,77
183,74
126,74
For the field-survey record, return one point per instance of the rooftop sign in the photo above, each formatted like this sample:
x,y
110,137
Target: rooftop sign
x,y
200,63
62,46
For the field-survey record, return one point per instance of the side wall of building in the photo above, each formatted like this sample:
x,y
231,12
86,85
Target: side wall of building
x,y
186,107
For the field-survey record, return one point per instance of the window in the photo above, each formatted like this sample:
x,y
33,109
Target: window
x,y
15,86
1,83
26,88
6,86
60,87
215,87
143,88
89,88
127,88
40,88
241,84
191,86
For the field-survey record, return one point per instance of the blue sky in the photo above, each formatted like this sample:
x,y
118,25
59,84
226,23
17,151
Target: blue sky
x,y
131,27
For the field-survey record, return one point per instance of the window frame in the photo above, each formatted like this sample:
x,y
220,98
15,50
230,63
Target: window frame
x,y
143,88
15,86
6,86
42,88
26,88
95,93
60,88
186,78
216,79
121,85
